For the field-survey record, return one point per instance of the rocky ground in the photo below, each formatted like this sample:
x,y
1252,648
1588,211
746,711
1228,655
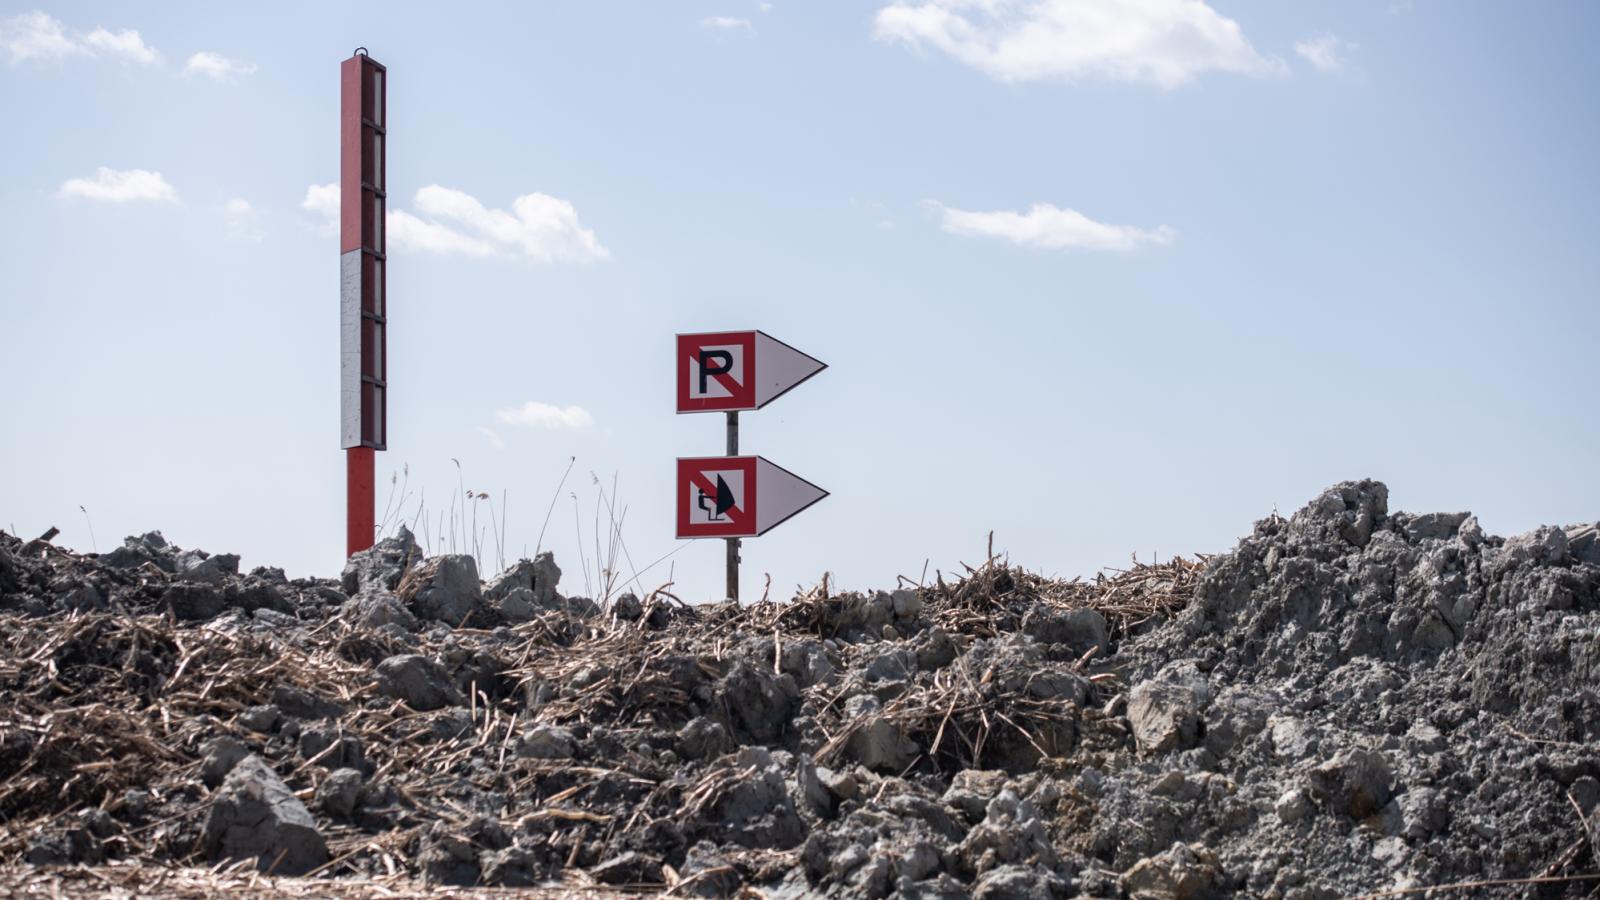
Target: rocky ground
x,y
1351,701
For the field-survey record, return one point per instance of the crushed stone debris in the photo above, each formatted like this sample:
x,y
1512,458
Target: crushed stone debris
x,y
1352,701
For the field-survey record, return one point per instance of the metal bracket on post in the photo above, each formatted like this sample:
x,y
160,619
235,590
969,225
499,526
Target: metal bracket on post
x,y
733,542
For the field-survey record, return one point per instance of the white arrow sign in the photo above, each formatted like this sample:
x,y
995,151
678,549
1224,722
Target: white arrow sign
x,y
728,371
738,496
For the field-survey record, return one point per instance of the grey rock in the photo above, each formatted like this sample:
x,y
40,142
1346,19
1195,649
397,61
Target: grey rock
x,y
627,608
1544,546
1020,882
1079,630
906,604
702,739
255,815
1348,511
218,757
539,576
935,650
1583,543
194,602
517,605
419,682
379,608
971,790
381,566
842,785
513,867
628,868
1182,872
806,661
547,742
1011,832
875,742
339,794
1357,782
1164,716
332,749
10,573
197,566
759,703
260,719
892,665
1435,526
1292,805
443,589
303,704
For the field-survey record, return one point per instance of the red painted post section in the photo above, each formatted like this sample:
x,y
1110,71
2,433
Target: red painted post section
x,y
363,301
362,500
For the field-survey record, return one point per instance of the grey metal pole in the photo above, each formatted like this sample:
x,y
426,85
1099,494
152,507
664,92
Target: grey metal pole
x,y
733,542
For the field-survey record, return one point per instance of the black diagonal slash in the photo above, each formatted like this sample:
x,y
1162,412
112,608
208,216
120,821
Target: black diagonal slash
x,y
707,370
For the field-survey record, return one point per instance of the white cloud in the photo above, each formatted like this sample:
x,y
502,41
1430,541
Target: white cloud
x,y
113,186
1327,52
322,201
216,66
539,227
411,233
1162,42
244,223
534,414
37,35
1048,227
123,44
726,23
495,441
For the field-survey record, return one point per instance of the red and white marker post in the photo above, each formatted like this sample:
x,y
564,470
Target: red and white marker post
x,y
363,310
735,496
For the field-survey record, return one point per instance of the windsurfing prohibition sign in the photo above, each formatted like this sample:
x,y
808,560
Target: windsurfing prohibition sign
x,y
738,496
727,371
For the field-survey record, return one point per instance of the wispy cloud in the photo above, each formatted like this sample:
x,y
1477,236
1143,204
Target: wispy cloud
x,y
534,414
322,201
726,23
1327,52
244,223
1048,227
217,67
37,35
495,440
1161,42
538,227
113,186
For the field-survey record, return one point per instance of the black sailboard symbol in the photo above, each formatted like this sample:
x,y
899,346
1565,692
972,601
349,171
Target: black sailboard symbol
x,y
724,501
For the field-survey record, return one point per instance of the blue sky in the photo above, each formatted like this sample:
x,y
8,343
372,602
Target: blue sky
x,y
1106,278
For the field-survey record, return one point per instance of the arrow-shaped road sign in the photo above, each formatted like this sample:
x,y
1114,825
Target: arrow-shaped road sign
x,y
734,370
738,496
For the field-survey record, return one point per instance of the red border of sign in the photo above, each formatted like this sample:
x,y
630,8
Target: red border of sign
x,y
742,399
742,526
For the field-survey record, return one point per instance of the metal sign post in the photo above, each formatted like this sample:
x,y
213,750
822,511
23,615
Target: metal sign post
x,y
733,496
363,302
733,542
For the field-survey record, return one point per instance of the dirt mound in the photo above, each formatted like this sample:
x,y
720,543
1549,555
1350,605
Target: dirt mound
x,y
1350,701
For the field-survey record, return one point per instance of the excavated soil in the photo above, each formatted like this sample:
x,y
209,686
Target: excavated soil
x,y
1351,702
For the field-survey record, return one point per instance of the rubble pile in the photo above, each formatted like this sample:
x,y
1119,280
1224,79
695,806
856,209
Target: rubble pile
x,y
1350,701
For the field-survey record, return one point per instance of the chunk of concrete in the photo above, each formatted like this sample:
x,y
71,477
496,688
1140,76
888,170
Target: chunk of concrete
x,y
444,588
255,815
418,681
1164,716
1357,783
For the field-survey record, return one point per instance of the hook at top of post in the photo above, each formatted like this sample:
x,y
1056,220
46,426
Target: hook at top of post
x,y
360,51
